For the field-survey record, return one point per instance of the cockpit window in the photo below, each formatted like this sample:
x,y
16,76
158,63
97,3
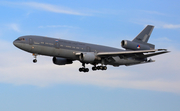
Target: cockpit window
x,y
21,39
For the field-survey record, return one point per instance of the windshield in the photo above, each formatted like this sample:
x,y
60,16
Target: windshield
x,y
20,39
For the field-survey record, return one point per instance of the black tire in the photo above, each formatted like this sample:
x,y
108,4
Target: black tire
x,y
104,68
86,70
94,68
98,67
101,67
80,69
34,60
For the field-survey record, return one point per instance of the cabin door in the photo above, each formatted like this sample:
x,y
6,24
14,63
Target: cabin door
x,y
30,41
57,45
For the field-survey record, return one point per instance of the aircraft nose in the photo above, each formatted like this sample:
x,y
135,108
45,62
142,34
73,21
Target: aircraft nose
x,y
15,43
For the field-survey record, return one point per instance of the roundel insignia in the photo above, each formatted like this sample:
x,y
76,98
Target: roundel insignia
x,y
138,46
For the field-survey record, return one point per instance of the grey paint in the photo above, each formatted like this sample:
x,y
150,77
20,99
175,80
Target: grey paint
x,y
144,35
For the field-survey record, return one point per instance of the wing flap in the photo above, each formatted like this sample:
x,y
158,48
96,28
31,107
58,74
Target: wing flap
x,y
141,63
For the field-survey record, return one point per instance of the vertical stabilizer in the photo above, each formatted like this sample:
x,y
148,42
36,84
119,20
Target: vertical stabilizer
x,y
144,35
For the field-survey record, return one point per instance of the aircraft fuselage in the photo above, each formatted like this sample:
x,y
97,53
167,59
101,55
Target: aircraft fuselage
x,y
40,45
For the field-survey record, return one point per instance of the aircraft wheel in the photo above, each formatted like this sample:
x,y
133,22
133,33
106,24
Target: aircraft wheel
x,y
86,70
80,70
94,68
104,68
83,70
101,68
35,60
98,67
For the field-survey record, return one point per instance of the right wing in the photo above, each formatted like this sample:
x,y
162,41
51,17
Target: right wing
x,y
126,53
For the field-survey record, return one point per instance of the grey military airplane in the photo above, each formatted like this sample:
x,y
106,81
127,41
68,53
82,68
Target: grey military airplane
x,y
65,52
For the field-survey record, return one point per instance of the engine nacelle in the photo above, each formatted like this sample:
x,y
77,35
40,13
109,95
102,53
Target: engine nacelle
x,y
88,57
61,61
135,45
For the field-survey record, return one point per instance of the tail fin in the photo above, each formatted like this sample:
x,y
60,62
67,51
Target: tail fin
x,y
144,35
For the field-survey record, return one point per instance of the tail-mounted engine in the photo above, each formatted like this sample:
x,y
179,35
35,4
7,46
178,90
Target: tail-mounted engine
x,y
88,57
136,45
61,61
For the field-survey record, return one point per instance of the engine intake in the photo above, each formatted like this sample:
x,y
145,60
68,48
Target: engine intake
x,y
136,46
61,61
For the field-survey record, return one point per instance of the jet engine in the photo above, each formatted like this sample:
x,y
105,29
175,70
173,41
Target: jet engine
x,y
61,61
87,57
136,46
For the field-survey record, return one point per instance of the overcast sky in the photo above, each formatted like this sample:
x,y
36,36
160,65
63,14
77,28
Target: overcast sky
x,y
25,86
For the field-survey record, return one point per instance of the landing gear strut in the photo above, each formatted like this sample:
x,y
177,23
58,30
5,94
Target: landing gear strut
x,y
83,69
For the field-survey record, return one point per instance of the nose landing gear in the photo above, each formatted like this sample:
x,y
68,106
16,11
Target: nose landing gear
x,y
35,56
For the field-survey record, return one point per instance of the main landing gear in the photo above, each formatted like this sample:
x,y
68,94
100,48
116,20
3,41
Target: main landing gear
x,y
83,69
99,68
35,56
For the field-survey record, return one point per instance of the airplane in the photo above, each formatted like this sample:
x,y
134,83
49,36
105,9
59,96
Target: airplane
x,y
65,52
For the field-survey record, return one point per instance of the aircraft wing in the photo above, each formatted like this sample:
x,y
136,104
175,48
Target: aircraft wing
x,y
160,51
